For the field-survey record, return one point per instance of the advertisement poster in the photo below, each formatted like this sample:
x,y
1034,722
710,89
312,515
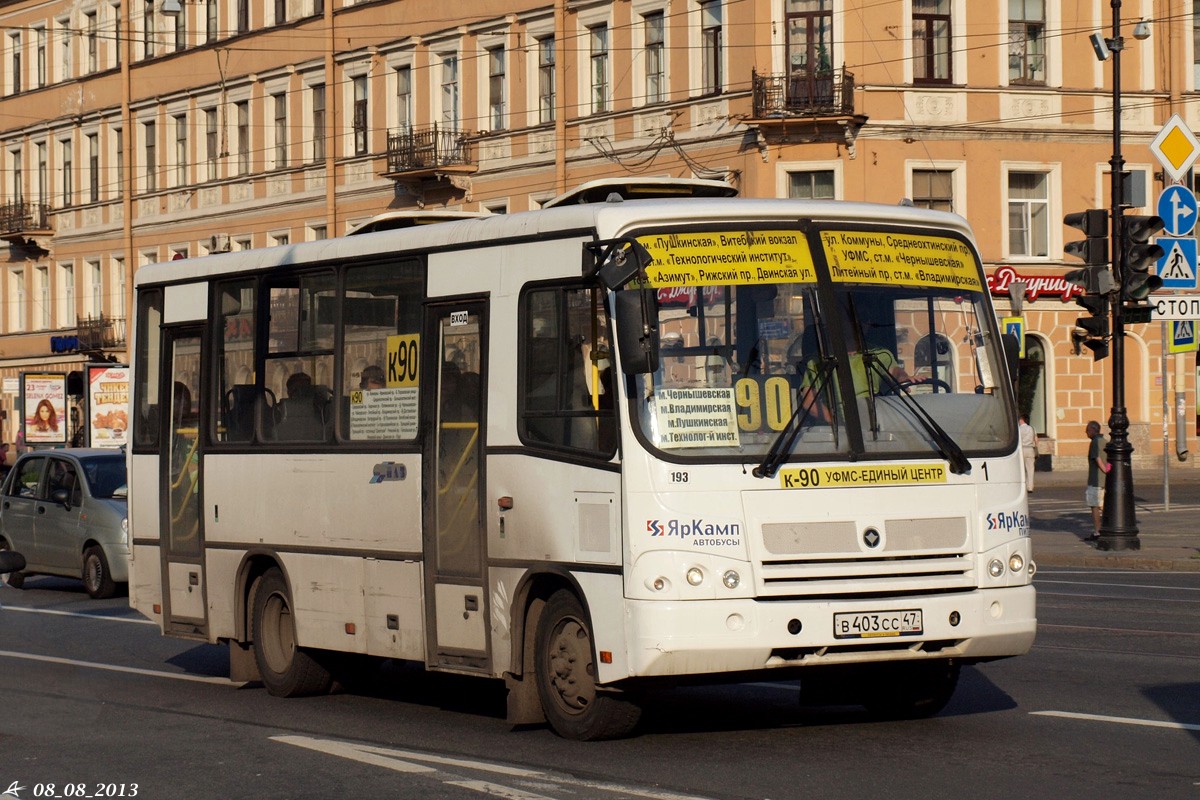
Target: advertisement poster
x,y
108,405
45,407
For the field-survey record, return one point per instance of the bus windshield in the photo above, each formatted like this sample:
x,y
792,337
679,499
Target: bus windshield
x,y
838,343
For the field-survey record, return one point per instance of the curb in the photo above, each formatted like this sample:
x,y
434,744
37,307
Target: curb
x,y
1116,560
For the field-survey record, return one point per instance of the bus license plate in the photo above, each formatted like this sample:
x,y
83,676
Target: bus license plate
x,y
872,624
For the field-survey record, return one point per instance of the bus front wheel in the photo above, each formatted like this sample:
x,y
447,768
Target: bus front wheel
x,y
566,677
287,670
912,689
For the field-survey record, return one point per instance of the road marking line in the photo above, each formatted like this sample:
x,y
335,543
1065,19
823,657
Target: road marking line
x,y
1149,723
497,790
401,761
153,673
27,610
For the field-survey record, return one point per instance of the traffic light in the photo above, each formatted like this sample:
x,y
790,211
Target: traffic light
x,y
1094,224
1096,280
1138,280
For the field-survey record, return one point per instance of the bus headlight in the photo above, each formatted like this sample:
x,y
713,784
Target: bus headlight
x,y
995,568
731,579
695,576
1016,563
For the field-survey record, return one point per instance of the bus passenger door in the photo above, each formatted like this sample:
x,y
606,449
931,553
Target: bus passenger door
x,y
456,610
182,520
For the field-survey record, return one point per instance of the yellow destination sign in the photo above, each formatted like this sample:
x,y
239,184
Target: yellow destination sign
x,y
728,257
901,259
862,475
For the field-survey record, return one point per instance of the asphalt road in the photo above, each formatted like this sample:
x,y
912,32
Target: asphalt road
x,y
1107,704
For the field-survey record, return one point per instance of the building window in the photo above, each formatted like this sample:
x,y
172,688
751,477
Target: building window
x,y
43,173
360,115
318,121
710,47
212,142
599,44
450,92
243,136
210,21
93,144
43,291
809,44
280,12
122,287
181,150
404,101
181,29
655,33
68,172
14,48
119,160
97,304
151,156
279,101
40,56
1195,44
92,32
16,307
117,33
148,25
1027,41
546,79
243,16
65,37
317,232
67,312
811,185
933,188
18,176
931,41
496,88
1028,214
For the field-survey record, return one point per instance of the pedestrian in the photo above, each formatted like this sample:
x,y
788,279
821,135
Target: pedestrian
x,y
1097,467
1028,449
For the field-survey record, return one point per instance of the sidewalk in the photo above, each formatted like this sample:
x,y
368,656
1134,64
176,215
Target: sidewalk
x,y
1170,540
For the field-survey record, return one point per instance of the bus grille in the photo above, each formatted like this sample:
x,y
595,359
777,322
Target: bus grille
x,y
835,558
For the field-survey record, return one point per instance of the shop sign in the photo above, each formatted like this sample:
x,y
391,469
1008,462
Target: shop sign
x,y
1035,285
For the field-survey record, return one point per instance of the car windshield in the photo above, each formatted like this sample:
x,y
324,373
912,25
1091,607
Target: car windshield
x,y
896,354
106,476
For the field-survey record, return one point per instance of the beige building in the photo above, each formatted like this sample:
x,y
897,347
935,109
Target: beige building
x,y
133,131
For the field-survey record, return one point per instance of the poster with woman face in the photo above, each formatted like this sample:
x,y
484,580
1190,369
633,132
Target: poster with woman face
x,y
45,408
108,404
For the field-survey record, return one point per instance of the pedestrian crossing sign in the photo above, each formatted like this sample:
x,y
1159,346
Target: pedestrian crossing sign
x,y
1183,336
1016,326
1177,267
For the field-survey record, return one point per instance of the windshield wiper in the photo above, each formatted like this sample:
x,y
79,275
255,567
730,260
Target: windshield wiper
x,y
782,445
947,447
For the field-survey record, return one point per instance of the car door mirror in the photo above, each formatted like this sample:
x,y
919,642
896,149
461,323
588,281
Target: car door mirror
x,y
62,497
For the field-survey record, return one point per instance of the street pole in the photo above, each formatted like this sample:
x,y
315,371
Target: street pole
x,y
1118,523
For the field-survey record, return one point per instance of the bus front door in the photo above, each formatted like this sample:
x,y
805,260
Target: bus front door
x,y
455,542
182,522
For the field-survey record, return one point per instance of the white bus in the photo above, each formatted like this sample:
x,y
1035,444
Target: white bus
x,y
589,450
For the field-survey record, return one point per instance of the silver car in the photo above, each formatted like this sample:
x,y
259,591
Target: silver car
x,y
67,512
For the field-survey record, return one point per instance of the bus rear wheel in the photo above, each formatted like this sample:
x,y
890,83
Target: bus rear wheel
x,y
912,689
287,670
566,677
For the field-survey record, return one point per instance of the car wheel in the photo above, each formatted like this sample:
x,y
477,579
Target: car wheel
x,y
14,579
566,677
97,578
287,670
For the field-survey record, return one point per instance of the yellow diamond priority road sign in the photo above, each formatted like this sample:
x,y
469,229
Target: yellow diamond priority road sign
x,y
1176,147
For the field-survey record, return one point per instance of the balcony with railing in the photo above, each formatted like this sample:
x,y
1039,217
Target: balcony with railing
x,y
21,220
97,334
804,93
432,152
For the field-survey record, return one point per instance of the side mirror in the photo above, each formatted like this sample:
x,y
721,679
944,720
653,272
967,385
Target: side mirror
x,y
1012,356
637,330
62,497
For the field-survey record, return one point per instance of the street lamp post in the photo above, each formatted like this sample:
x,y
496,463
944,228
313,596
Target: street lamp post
x,y
1118,523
